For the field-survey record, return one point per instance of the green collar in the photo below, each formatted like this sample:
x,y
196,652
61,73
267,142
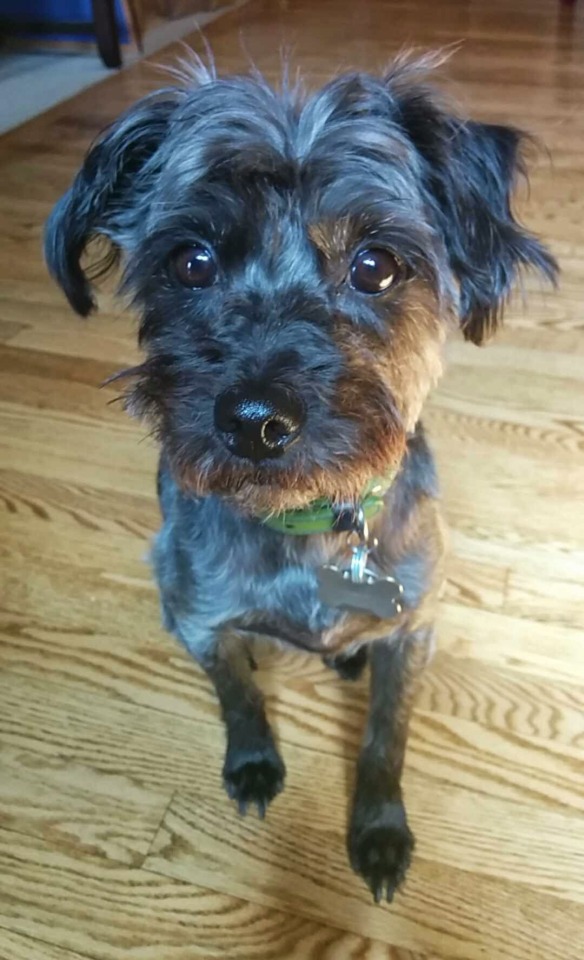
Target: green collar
x,y
320,517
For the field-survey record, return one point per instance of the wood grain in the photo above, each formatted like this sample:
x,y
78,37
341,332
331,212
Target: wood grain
x,y
50,894
116,839
17,947
298,862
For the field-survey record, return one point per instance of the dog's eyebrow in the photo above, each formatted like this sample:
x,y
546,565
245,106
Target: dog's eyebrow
x,y
413,240
176,231
353,219
201,218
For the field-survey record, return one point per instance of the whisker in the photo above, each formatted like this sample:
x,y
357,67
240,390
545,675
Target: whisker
x,y
136,371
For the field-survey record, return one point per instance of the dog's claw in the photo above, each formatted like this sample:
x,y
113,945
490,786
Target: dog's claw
x,y
381,849
380,885
243,806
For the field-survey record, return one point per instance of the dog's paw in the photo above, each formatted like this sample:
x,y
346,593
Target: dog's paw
x,y
254,776
380,849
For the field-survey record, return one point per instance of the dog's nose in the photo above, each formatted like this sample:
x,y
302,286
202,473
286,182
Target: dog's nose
x,y
259,422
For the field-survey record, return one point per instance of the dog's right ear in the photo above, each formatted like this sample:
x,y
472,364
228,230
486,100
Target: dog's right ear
x,y
102,196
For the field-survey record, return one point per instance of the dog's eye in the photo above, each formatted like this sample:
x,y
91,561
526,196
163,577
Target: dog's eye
x,y
374,270
195,266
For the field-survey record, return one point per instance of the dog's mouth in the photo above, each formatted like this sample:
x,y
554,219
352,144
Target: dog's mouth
x,y
267,490
340,447
256,490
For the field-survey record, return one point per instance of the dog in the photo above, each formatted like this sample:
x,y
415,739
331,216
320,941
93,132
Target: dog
x,y
297,261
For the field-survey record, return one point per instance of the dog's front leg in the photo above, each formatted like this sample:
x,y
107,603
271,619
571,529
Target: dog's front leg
x,y
253,771
380,842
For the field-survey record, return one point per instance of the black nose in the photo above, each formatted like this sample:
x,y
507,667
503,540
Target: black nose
x,y
259,422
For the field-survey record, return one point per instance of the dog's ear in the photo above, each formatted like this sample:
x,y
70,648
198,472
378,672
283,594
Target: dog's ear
x,y
101,198
470,171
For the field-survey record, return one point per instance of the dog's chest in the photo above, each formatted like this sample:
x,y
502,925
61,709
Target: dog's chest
x,y
284,588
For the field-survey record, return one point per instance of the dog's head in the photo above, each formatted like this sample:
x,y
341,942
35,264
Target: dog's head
x,y
297,262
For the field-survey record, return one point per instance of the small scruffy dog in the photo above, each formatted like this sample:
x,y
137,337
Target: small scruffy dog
x,y
297,261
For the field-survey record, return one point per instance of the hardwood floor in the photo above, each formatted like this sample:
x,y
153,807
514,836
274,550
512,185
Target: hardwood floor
x,y
116,840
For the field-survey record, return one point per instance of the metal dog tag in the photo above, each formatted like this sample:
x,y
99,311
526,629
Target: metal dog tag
x,y
360,588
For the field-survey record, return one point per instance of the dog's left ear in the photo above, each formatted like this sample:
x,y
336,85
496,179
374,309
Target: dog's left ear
x,y
470,171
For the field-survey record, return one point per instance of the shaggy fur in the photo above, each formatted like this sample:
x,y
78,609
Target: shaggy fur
x,y
284,189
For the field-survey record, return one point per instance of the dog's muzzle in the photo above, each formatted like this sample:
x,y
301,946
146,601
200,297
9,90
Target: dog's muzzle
x,y
259,422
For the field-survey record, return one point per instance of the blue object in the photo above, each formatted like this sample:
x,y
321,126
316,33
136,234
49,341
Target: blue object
x,y
25,16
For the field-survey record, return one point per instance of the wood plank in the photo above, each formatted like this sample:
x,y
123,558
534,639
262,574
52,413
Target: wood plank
x,y
16,947
59,446
535,844
302,866
138,749
542,583
54,796
504,699
111,912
